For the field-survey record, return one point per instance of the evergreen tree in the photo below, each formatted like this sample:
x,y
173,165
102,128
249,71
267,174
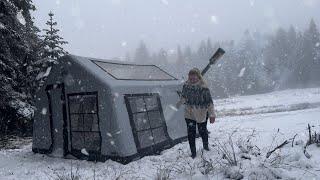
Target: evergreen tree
x,y
142,54
311,48
202,54
307,65
294,51
52,41
162,57
277,58
209,48
19,50
180,59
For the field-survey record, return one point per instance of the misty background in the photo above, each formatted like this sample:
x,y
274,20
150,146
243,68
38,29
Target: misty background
x,y
271,45
111,28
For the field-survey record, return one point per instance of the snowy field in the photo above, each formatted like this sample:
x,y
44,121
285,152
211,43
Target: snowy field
x,y
249,126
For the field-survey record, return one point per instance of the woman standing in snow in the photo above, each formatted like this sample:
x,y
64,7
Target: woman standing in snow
x,y
198,102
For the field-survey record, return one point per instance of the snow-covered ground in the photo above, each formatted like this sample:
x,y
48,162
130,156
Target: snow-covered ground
x,y
279,101
252,125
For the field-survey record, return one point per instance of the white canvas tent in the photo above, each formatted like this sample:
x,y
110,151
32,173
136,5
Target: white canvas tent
x,y
96,109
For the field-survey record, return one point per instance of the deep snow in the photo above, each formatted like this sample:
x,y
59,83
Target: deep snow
x,y
267,120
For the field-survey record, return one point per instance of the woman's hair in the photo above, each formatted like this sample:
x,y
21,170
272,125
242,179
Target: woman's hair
x,y
196,71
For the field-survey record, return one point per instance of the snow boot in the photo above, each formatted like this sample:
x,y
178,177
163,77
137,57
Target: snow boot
x,y
193,155
206,146
193,152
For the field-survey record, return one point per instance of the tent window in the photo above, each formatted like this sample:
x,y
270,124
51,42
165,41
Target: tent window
x,y
147,119
84,122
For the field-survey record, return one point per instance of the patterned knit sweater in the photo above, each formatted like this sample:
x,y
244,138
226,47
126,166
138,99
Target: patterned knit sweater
x,y
198,101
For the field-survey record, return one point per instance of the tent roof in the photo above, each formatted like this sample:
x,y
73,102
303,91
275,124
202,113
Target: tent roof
x,y
124,72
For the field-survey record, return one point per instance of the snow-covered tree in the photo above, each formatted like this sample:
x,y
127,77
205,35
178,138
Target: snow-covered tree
x,y
19,50
52,41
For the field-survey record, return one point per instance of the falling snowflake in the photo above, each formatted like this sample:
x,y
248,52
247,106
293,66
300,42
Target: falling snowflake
x,y
214,19
171,51
151,138
242,72
165,2
44,111
112,142
252,2
109,134
124,44
173,107
2,26
317,44
85,152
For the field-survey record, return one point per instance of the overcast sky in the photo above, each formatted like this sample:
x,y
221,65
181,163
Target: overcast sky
x,y
110,28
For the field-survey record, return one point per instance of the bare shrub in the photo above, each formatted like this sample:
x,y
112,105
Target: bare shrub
x,y
247,147
226,149
72,175
163,173
207,165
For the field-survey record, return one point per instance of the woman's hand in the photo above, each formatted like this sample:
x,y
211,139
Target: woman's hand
x,y
212,119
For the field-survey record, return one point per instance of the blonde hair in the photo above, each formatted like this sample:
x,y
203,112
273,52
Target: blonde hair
x,y
196,71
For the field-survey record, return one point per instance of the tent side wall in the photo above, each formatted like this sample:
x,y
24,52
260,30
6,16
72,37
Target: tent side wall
x,y
41,141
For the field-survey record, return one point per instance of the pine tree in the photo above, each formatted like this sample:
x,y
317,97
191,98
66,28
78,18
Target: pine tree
x,y
19,50
209,48
310,60
52,41
180,59
142,54
294,52
202,53
162,57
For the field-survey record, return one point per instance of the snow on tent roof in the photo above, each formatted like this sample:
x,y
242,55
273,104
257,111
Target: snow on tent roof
x,y
122,71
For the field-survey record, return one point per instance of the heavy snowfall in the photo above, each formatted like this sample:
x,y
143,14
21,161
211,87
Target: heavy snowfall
x,y
265,87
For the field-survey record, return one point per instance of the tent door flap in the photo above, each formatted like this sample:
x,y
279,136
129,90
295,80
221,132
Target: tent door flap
x,y
57,110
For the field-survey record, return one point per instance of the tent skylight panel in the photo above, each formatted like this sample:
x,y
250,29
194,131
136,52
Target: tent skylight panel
x,y
134,72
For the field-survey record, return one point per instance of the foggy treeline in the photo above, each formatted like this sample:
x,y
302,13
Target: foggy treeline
x,y
257,63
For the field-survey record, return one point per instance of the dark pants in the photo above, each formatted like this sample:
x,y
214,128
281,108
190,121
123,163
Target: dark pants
x,y
202,128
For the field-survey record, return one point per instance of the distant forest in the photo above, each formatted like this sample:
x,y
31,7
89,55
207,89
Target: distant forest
x,y
258,63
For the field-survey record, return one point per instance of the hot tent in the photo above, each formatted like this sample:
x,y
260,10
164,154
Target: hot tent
x,y
96,109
